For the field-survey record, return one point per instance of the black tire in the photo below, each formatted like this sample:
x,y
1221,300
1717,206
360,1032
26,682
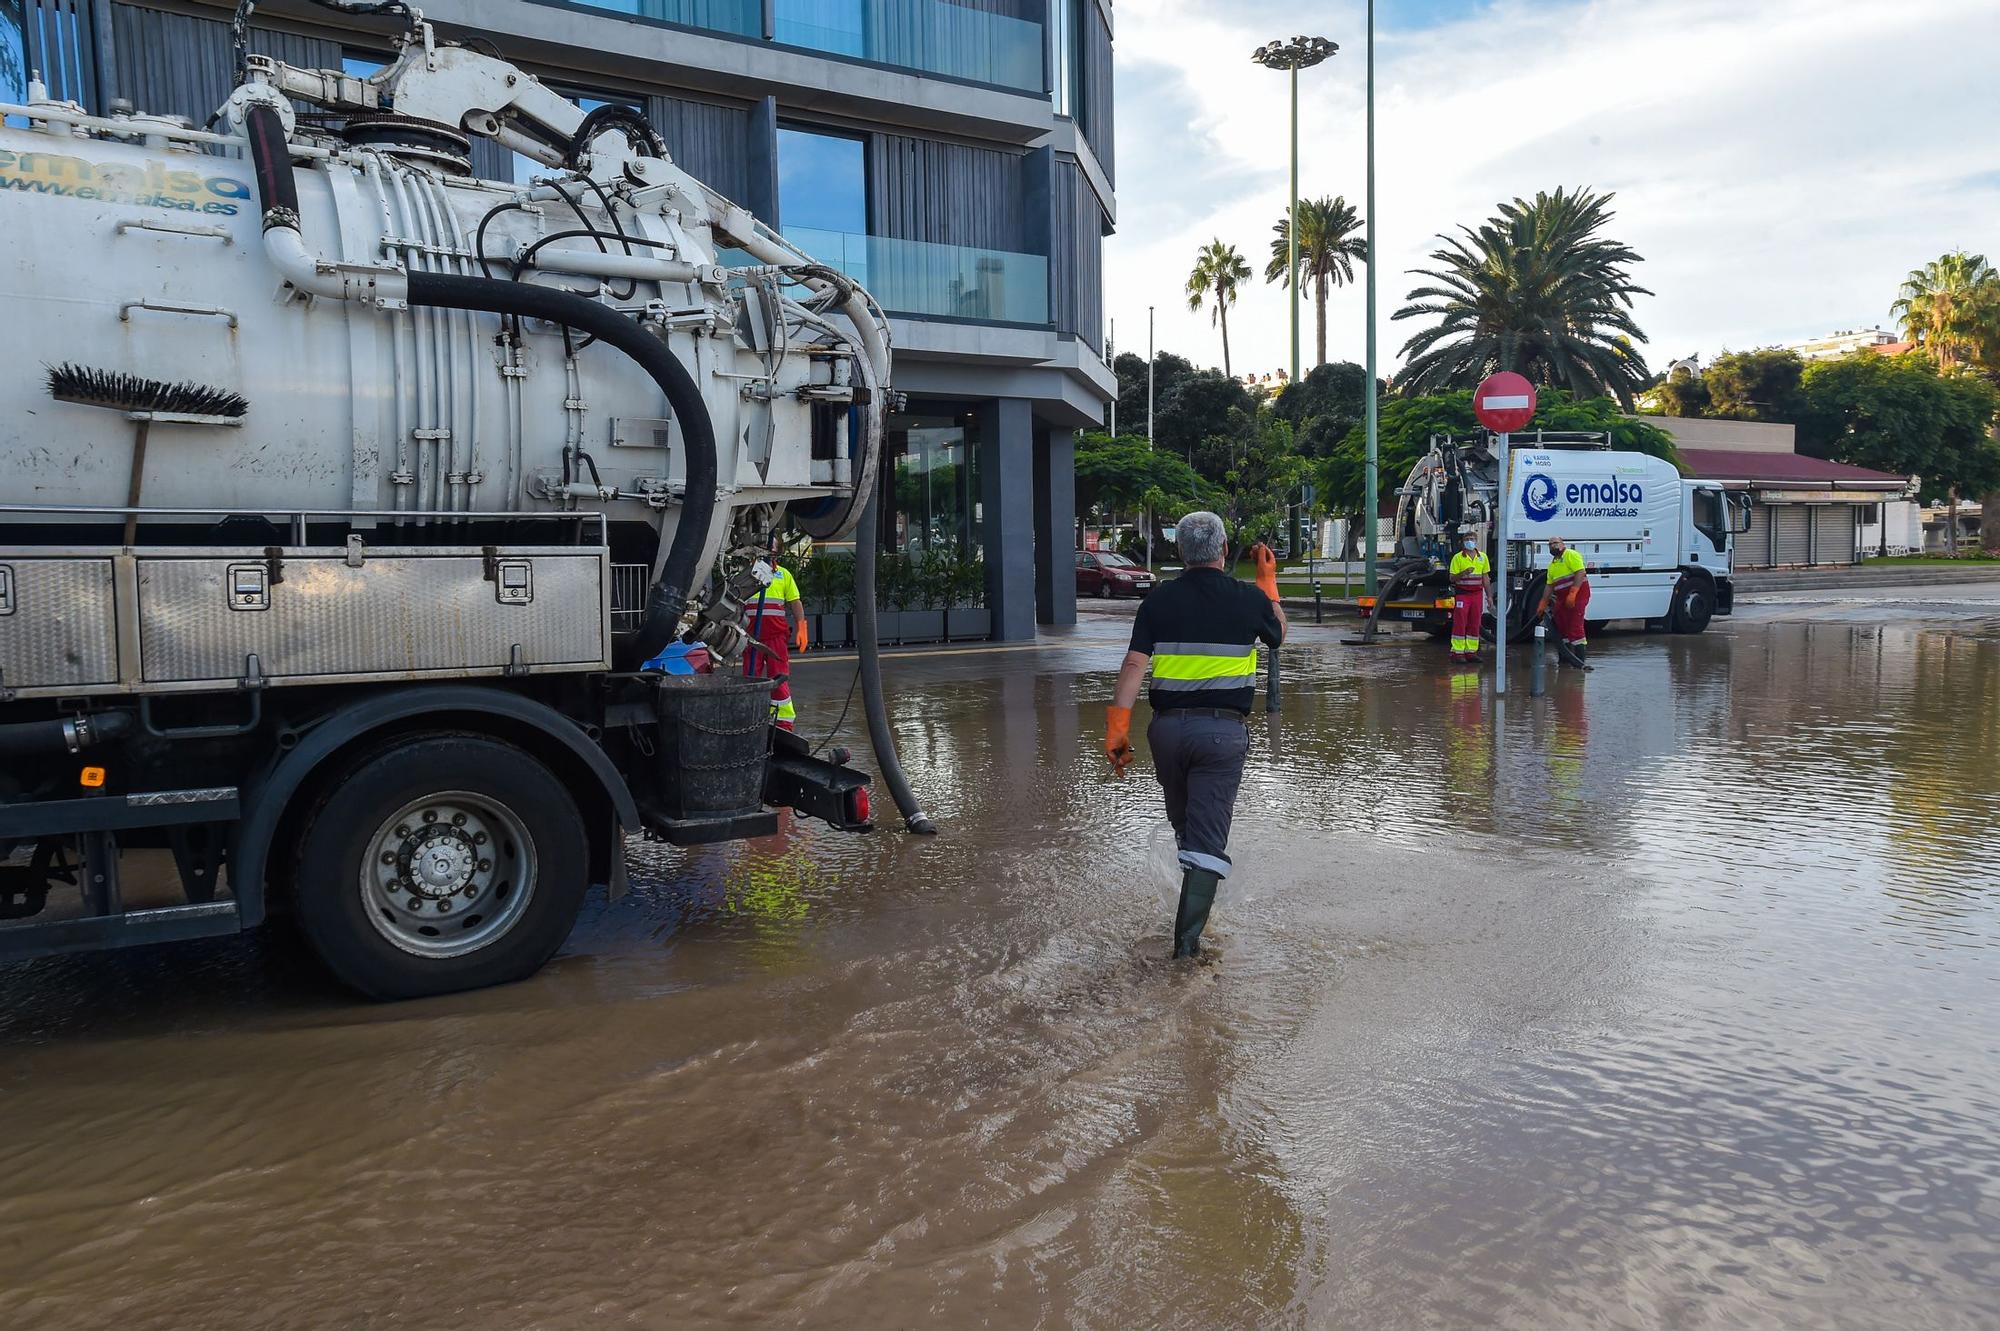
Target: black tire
x,y
537,832
1104,590
1693,607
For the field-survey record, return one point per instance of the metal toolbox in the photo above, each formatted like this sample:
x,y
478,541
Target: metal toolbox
x,y
190,619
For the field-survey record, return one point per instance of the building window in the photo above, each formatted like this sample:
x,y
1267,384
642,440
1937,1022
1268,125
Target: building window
x,y
823,197
822,181
933,486
13,52
821,25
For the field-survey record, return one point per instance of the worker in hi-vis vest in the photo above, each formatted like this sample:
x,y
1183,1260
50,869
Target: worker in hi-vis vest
x,y
1470,571
1198,635
777,623
1568,594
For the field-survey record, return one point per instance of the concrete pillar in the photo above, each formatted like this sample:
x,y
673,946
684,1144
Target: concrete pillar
x,y
1055,530
1007,496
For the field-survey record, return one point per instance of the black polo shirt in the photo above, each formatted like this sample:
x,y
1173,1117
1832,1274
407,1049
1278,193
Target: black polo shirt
x,y
1202,623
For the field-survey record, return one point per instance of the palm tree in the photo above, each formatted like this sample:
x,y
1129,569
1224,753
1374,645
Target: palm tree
x,y
1218,271
1329,247
1950,307
1941,306
1536,290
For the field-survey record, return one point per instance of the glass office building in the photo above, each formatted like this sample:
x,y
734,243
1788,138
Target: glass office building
x,y
955,155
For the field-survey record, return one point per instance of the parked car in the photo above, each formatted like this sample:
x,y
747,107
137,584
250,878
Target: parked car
x,y
1105,574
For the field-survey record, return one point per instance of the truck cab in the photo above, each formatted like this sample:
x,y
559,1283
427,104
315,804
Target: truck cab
x,y
1711,519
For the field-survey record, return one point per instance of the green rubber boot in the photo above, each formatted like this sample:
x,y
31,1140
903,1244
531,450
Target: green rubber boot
x,y
1197,895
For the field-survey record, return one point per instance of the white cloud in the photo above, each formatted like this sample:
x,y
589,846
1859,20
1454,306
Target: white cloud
x,y
1779,163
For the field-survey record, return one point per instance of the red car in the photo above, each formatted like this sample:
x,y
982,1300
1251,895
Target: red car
x,y
1106,574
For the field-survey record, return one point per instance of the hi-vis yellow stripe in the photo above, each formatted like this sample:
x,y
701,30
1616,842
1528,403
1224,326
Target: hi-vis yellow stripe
x,y
1203,660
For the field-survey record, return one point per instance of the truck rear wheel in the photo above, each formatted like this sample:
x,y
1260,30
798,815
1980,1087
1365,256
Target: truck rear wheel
x,y
445,862
1693,607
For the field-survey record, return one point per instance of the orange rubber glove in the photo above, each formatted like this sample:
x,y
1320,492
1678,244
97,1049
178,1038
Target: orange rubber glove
x,y
1267,569
799,638
1118,738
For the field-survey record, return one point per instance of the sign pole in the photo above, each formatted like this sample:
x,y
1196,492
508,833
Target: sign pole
x,y
1501,493
1504,403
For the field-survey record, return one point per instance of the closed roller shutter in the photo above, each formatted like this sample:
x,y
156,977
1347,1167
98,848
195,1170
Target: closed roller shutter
x,y
1792,534
1834,542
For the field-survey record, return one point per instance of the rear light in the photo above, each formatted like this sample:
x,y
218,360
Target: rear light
x,y
1366,603
859,809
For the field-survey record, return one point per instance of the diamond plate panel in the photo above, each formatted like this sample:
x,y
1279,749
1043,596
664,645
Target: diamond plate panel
x,y
64,627
394,616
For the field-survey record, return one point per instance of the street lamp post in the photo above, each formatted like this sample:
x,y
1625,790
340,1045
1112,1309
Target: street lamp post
x,y
1292,56
1370,496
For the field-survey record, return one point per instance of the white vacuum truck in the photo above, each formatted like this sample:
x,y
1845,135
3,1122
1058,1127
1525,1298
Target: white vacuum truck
x,y
353,496
1659,547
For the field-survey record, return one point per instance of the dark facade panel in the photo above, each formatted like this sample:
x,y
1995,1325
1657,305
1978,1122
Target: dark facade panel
x,y
1076,267
709,141
178,64
1095,118
60,45
946,193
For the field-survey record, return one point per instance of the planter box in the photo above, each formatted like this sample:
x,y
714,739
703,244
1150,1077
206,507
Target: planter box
x,y
920,626
833,629
968,624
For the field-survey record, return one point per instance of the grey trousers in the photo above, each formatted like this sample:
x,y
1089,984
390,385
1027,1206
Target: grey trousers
x,y
1199,760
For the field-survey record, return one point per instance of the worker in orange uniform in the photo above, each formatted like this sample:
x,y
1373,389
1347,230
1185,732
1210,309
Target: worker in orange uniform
x,y
1470,572
1568,593
777,623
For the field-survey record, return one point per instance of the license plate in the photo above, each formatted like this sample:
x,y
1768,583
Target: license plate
x,y
1412,614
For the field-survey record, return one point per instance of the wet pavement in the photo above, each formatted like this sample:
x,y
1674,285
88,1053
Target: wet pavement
x,y
1667,1002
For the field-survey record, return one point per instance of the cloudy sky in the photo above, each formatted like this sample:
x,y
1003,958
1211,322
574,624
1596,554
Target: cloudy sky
x,y
1779,163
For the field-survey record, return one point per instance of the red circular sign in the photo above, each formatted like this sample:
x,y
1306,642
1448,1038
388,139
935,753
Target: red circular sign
x,y
1504,403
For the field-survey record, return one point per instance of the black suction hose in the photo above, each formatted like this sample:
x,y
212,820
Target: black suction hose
x,y
865,538
81,732
670,593
278,189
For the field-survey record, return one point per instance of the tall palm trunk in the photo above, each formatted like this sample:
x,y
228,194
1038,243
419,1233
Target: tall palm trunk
x,y
1222,317
1989,516
1319,309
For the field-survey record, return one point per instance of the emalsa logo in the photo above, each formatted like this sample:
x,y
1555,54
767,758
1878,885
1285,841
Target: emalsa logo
x,y
154,185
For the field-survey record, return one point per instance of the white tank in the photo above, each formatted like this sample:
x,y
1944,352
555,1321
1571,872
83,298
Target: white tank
x,y
145,258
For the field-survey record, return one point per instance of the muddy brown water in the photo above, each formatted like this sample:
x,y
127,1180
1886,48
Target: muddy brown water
x,y
1689,1023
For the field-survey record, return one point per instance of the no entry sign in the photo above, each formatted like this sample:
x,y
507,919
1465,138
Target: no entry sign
x,y
1504,403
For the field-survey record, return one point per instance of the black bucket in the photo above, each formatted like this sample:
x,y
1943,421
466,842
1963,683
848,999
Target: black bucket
x,y
715,732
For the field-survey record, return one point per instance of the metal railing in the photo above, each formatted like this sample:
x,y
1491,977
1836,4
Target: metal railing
x,y
924,278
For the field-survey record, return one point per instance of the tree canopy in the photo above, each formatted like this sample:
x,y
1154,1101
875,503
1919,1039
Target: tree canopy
x,y
1123,474
1760,385
1951,307
1900,415
1535,289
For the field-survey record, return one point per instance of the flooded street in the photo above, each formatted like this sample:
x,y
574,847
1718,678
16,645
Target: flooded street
x,y
1670,1004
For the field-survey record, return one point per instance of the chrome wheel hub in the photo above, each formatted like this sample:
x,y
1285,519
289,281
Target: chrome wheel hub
x,y
447,874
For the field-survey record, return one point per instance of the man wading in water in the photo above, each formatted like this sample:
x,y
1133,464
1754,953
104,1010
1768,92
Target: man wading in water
x,y
1199,634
